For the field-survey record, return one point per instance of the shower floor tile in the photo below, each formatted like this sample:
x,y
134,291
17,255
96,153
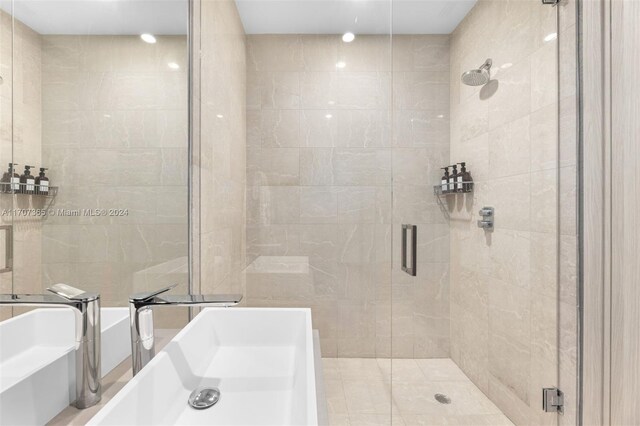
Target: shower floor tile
x,y
359,392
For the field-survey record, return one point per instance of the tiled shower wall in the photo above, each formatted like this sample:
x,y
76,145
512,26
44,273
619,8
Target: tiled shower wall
x,y
20,142
114,131
221,155
505,316
321,164
420,305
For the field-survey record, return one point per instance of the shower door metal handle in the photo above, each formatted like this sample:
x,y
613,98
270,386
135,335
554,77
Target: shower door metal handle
x,y
411,270
8,248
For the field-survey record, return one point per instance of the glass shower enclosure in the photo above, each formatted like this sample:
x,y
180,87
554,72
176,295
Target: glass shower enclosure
x,y
324,128
295,152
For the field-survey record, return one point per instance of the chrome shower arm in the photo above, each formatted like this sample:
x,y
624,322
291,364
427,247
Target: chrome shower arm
x,y
487,64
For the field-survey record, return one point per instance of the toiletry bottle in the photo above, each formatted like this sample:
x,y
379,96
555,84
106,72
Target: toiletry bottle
x,y
11,180
459,181
27,181
452,178
6,179
15,179
444,182
465,178
42,182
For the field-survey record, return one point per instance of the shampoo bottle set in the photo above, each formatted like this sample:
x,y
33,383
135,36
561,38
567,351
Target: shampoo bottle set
x,y
456,181
26,183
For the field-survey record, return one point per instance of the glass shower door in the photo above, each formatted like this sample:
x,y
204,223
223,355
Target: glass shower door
x,y
476,333
319,186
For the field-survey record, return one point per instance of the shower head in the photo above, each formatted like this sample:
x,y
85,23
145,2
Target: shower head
x,y
478,77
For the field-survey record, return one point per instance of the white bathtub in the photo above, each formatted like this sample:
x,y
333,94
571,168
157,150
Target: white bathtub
x,y
261,359
37,361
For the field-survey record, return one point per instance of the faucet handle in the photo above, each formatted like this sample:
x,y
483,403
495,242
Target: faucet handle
x,y
141,297
486,211
71,293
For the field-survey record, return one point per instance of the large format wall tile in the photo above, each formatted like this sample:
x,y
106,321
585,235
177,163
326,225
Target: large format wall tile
x,y
320,169
280,128
274,53
318,128
511,288
364,167
364,90
114,134
316,167
274,89
319,204
273,166
363,128
318,89
319,52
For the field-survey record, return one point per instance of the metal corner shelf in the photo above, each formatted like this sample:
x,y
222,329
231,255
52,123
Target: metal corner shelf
x,y
29,200
7,188
437,189
443,197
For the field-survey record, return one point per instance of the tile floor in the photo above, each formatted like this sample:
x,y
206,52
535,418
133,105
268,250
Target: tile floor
x,y
359,393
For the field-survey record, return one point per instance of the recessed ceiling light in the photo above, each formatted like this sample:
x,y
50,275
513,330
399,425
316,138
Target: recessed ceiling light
x,y
332,102
220,116
551,36
441,116
148,38
341,64
328,116
506,65
173,66
348,37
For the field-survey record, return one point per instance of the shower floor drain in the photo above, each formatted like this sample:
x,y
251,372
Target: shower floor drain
x,y
442,399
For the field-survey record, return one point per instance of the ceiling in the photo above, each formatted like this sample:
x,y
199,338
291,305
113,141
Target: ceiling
x,y
165,17
101,17
357,16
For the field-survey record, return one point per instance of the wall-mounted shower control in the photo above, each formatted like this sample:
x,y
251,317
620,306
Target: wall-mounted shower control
x,y
486,222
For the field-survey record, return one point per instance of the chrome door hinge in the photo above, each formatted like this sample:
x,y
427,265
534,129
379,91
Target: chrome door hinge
x,y
552,400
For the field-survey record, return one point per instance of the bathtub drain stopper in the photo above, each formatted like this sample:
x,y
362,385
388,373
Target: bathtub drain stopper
x,y
202,398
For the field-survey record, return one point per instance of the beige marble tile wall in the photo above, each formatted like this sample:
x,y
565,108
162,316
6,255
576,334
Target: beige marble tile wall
x,y
421,124
504,284
320,168
20,142
319,184
222,155
114,132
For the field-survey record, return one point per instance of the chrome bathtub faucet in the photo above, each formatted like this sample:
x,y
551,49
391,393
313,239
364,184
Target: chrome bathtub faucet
x,y
141,318
86,307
